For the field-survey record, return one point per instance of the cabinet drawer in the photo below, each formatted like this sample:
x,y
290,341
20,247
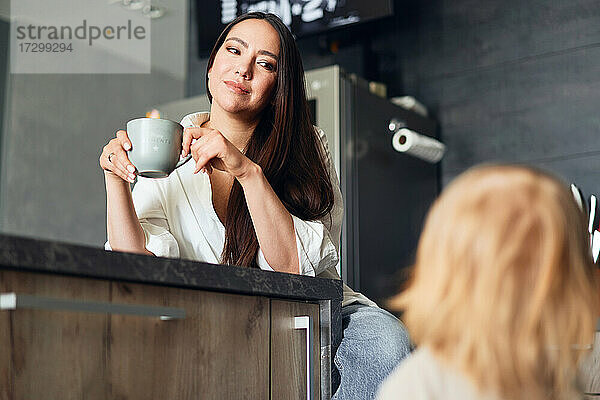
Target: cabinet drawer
x,y
51,354
220,349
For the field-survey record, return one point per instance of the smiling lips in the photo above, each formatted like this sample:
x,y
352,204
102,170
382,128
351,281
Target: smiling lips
x,y
236,87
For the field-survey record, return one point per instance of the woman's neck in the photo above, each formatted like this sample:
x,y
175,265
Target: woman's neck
x,y
237,130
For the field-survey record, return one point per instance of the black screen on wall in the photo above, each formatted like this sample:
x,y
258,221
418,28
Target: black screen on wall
x,y
303,17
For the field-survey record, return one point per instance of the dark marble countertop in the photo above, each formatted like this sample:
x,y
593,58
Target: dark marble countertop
x,y
53,257
26,254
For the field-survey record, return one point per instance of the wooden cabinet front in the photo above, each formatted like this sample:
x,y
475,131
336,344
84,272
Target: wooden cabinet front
x,y
219,351
53,354
288,350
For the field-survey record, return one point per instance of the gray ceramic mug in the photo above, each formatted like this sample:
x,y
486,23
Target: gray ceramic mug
x,y
155,146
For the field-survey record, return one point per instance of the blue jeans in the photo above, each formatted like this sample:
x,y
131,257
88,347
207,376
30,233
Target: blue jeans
x,y
374,342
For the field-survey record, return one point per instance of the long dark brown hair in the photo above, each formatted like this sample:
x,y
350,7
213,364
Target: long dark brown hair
x,y
284,144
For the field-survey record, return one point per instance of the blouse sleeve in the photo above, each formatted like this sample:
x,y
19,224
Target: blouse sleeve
x,y
316,249
318,242
148,200
150,212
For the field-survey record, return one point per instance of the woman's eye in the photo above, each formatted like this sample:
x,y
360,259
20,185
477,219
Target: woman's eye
x,y
233,50
268,66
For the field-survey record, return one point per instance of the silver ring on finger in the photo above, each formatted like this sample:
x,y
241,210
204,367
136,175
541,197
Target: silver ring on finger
x,y
110,157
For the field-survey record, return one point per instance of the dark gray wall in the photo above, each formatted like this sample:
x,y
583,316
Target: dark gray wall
x,y
512,81
4,40
51,185
508,80
196,68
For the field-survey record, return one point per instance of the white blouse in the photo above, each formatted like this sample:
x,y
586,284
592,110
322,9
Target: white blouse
x,y
179,221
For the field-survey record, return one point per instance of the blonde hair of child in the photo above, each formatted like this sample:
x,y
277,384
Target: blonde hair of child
x,y
503,287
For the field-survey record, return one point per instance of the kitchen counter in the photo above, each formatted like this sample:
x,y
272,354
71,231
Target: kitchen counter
x,y
54,257
39,256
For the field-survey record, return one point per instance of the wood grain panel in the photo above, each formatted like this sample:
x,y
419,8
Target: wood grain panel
x,y
220,350
6,370
288,350
53,354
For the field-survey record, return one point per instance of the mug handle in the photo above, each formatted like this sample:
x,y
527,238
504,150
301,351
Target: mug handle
x,y
186,159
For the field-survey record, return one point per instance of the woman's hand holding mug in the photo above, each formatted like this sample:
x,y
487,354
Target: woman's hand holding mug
x,y
150,148
114,159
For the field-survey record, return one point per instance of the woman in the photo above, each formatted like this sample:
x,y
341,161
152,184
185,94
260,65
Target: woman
x,y
503,299
269,197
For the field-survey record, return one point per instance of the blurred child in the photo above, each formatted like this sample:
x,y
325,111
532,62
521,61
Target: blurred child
x,y
503,300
